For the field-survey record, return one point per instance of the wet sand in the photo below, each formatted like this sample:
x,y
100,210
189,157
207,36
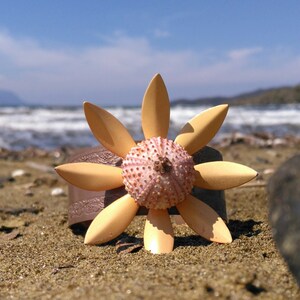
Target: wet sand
x,y
41,258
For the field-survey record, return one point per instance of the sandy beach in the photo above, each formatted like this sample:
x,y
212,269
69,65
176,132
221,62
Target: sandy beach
x,y
41,258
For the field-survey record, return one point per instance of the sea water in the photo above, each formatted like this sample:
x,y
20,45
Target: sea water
x,y
54,127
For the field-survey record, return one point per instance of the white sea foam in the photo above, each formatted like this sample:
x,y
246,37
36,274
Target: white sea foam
x,y
54,127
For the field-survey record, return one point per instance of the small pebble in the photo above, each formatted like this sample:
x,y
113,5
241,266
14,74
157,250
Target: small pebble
x,y
56,192
279,142
19,173
268,171
29,193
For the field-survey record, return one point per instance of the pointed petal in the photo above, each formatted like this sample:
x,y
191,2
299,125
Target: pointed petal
x,y
91,176
221,175
111,221
201,129
108,130
156,109
158,234
204,220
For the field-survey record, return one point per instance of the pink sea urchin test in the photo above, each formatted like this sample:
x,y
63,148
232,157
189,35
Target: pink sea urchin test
x,y
158,173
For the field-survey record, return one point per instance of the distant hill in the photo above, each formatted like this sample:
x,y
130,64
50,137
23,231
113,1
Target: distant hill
x,y
283,95
8,98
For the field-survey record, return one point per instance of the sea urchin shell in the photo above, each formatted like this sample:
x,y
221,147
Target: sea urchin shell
x,y
158,173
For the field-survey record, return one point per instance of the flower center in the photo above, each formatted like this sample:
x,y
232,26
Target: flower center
x,y
158,173
162,165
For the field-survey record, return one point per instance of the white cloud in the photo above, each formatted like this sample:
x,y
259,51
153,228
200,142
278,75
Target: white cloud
x,y
27,53
119,70
244,53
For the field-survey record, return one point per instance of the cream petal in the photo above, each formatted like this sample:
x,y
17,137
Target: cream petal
x,y
108,130
204,220
158,233
156,109
221,175
91,176
111,221
201,129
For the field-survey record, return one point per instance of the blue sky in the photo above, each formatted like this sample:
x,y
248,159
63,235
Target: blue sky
x,y
64,52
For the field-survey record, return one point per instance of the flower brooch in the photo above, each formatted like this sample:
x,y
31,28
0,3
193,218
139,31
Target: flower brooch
x,y
157,173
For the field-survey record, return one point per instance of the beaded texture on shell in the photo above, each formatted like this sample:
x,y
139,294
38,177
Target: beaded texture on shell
x,y
158,173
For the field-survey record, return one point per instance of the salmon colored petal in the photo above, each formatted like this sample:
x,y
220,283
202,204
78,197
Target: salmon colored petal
x,y
158,233
111,221
91,176
201,129
221,175
108,130
156,109
204,220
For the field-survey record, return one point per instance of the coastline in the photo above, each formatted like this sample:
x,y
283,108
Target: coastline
x,y
40,257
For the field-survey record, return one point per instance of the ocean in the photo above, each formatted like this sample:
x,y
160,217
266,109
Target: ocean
x,y
54,127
